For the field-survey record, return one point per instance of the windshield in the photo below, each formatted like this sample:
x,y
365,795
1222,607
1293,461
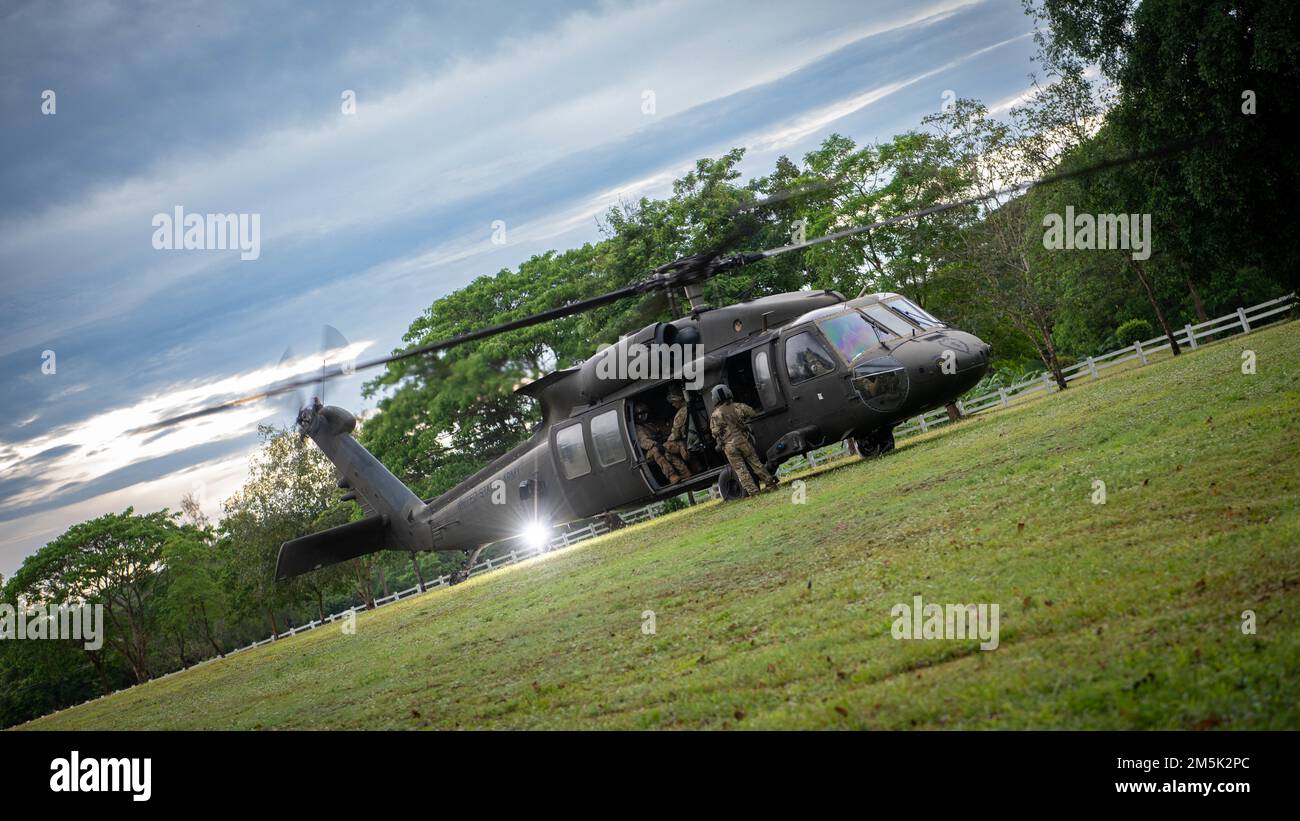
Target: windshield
x,y
914,312
850,334
888,320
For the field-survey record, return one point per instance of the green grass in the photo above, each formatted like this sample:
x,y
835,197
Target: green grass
x,y
777,615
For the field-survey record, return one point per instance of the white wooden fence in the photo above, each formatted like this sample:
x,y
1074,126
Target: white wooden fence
x,y
571,536
1243,321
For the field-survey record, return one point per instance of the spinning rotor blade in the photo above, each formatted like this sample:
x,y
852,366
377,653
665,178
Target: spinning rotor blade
x,y
328,372
331,341
687,270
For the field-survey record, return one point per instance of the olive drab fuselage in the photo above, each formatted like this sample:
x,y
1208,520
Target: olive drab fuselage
x,y
817,368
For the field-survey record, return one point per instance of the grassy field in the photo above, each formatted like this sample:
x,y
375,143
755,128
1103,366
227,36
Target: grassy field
x,y
770,614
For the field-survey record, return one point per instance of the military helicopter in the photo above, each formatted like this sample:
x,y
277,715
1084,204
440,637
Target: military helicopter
x,y
816,366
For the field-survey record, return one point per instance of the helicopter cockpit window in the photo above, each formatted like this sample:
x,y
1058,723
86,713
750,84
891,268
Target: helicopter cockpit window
x,y
572,451
850,334
606,438
889,321
914,312
806,357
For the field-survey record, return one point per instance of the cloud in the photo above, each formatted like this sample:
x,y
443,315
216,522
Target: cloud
x,y
102,453
492,120
533,117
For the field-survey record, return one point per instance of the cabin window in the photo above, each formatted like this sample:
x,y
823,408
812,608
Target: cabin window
x,y
768,392
572,451
914,312
806,357
890,322
607,440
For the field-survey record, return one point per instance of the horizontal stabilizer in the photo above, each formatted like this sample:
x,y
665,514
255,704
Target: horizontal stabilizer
x,y
338,544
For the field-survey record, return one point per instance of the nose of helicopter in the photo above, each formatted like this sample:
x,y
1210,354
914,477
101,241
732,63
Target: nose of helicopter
x,y
961,357
942,366
971,352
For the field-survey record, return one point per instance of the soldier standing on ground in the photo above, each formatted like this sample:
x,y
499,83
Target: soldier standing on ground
x,y
729,424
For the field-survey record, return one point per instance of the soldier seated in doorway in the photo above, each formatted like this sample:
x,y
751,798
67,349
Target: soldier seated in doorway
x,y
652,436
677,432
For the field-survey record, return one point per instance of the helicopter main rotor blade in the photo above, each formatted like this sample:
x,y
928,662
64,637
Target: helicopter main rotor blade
x,y
684,271
939,208
333,371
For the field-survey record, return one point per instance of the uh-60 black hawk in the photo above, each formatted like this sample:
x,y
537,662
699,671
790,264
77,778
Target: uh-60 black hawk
x,y
816,366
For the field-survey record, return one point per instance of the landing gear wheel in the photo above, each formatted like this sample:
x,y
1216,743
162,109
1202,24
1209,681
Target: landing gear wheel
x,y
729,486
462,573
876,444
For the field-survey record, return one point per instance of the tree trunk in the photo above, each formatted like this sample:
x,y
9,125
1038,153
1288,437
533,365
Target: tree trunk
x,y
97,661
383,581
207,629
419,577
1050,359
361,575
953,413
320,604
1201,316
140,671
1155,306
275,628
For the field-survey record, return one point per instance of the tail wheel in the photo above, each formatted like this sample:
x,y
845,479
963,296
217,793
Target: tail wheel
x,y
876,444
729,486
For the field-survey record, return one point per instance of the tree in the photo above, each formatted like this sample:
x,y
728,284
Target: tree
x,y
1218,79
111,561
1004,249
195,600
290,484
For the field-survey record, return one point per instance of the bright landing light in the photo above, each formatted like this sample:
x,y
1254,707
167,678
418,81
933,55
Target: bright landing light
x,y
537,535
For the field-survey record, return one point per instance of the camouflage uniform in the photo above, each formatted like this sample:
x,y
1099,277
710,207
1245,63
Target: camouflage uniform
x,y
650,435
729,423
676,444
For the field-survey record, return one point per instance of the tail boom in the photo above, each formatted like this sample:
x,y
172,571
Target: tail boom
x,y
397,520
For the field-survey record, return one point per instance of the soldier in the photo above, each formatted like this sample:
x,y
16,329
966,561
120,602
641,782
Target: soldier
x,y
729,423
676,444
650,436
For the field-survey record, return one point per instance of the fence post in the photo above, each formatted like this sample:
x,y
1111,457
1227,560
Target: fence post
x,y
1191,336
1092,367
1142,357
1245,326
1047,383
1002,395
924,426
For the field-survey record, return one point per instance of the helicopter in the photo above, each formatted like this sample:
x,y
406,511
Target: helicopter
x,y
816,367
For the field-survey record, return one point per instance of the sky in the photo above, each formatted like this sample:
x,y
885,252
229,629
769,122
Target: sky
x,y
468,115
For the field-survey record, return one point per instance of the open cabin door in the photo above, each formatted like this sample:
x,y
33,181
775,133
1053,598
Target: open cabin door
x,y
702,459
751,375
